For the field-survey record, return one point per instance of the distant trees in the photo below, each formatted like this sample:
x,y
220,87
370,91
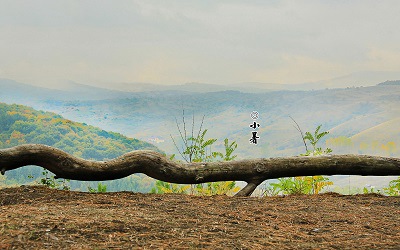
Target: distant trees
x,y
21,125
374,147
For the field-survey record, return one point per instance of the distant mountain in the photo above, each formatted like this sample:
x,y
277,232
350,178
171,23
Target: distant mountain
x,y
12,91
396,82
186,87
79,91
357,79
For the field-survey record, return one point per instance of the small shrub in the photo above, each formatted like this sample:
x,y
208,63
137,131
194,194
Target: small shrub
x,y
305,184
394,188
50,181
101,188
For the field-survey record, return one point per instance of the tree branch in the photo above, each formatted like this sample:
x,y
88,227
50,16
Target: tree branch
x,y
249,188
155,165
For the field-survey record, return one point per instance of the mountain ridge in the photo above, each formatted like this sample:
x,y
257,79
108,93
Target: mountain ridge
x,y
118,89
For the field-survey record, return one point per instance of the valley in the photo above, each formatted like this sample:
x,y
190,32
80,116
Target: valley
x,y
368,116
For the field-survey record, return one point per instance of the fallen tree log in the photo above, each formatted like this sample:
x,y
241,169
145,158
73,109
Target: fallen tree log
x,y
155,165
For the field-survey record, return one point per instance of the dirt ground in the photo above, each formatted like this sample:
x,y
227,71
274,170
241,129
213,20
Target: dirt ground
x,y
33,217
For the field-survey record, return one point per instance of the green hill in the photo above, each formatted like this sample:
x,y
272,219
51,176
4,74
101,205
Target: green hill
x,y
21,124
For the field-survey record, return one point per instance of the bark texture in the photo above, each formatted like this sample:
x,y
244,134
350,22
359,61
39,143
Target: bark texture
x,y
155,165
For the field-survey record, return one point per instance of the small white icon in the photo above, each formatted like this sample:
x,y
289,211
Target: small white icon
x,y
254,115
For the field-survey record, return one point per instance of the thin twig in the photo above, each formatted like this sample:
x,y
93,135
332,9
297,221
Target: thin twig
x,y
301,132
184,142
185,138
183,156
180,132
192,132
198,134
184,126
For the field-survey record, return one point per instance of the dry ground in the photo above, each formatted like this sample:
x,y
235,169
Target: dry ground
x,y
38,218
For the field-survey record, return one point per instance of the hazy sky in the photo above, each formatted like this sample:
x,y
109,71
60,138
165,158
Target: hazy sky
x,y
172,42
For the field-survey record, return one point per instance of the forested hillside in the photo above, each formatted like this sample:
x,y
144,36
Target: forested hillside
x,y
21,124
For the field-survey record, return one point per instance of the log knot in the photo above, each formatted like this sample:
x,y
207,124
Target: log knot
x,y
199,178
259,168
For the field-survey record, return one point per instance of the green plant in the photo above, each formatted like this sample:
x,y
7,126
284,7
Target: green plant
x,y
101,188
162,187
199,149
301,185
269,190
371,190
229,149
293,185
305,184
318,183
50,181
314,139
217,188
394,188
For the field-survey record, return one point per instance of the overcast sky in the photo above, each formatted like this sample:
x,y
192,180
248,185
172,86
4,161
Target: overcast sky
x,y
173,42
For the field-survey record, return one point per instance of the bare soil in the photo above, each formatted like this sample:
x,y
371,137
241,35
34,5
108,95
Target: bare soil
x,y
33,217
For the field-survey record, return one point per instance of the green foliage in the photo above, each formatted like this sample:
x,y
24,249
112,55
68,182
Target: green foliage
x,y
101,188
50,181
229,149
199,149
214,188
313,140
210,188
21,124
394,188
292,185
301,185
371,190
217,188
305,184
162,187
